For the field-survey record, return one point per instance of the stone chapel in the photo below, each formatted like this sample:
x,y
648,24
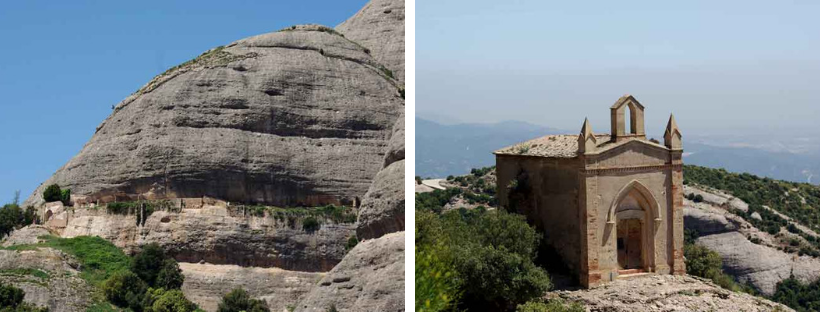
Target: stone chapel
x,y
610,205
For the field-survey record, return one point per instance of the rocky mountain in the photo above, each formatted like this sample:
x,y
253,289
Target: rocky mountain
x,y
255,165
295,117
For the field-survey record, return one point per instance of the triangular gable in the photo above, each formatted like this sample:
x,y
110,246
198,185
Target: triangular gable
x,y
616,148
626,99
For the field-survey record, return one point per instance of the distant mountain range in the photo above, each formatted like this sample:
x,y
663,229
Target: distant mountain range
x,y
443,150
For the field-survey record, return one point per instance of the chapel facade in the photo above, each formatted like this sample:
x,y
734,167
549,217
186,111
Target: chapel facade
x,y
609,205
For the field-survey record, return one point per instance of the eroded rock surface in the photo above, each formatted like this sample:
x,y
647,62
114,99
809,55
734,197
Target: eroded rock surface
x,y
379,26
762,266
215,235
206,284
61,291
667,293
370,278
382,209
295,117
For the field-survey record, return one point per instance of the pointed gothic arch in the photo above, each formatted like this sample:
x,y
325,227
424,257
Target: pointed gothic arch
x,y
648,199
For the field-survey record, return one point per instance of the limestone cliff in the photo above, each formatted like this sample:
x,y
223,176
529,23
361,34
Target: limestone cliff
x,y
218,235
295,117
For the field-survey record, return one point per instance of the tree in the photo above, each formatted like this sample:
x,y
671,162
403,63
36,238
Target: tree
x,y
170,276
238,300
148,262
53,193
162,300
10,217
11,300
125,289
310,224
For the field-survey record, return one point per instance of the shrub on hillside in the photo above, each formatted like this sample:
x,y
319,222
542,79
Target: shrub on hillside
x,y
11,216
170,276
65,196
162,300
52,193
148,262
492,254
11,300
238,300
125,289
352,241
437,286
310,224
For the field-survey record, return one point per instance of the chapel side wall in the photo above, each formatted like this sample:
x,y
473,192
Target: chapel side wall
x,y
551,203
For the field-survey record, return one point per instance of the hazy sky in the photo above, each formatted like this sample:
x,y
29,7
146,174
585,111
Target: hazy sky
x,y
63,65
720,66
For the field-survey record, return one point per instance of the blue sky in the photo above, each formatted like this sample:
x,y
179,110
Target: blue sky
x,y
62,66
722,67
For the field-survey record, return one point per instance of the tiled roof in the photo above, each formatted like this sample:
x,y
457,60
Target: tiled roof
x,y
560,146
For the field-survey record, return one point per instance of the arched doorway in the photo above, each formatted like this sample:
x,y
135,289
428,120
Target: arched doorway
x,y
630,232
635,215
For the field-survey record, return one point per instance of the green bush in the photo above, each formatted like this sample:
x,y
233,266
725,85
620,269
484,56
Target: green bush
x,y
125,289
11,216
99,257
698,198
148,262
798,296
11,300
554,305
437,288
310,224
170,276
352,241
52,193
238,300
10,296
65,196
162,300
702,262
492,253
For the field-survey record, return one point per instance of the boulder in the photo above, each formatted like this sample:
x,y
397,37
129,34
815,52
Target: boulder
x,y
705,222
296,117
395,149
370,278
382,208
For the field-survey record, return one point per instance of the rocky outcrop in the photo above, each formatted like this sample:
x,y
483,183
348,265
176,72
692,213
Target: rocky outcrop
x,y
382,208
379,26
760,265
49,278
296,117
370,278
666,293
219,235
206,284
26,235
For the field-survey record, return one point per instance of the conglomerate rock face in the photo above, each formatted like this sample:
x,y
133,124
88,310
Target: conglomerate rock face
x,y
296,117
206,284
382,208
61,291
379,26
215,235
370,278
